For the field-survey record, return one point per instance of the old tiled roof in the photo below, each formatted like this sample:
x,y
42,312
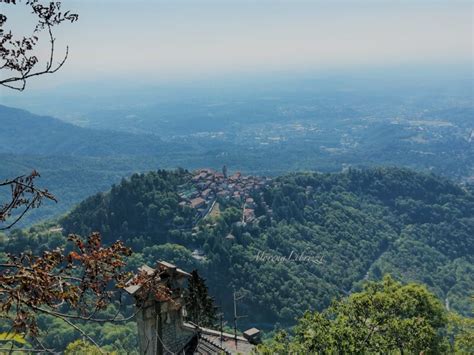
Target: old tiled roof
x,y
227,344
208,347
133,288
197,201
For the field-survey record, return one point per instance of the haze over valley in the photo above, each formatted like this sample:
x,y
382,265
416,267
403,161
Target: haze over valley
x,y
237,177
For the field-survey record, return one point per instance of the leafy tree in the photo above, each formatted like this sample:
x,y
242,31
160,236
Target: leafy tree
x,y
352,221
13,340
461,333
279,344
385,317
79,347
199,304
70,286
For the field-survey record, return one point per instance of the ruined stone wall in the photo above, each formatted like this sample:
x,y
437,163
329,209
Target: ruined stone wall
x,y
160,329
147,328
174,335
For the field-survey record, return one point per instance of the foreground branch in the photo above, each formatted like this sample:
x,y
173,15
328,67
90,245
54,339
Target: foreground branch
x,y
24,195
16,53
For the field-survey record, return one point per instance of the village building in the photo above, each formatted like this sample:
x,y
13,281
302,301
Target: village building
x,y
197,202
249,215
206,193
230,237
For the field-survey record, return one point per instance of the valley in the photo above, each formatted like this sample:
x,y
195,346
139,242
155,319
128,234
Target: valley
x,y
361,223
75,161
236,178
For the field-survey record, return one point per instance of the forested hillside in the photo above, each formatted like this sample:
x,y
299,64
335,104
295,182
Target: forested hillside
x,y
26,133
74,162
348,227
271,138
230,179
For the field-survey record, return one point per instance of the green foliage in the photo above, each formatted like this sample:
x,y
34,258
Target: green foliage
x,y
360,225
141,209
174,253
279,344
199,304
12,337
385,317
79,347
113,338
232,215
461,333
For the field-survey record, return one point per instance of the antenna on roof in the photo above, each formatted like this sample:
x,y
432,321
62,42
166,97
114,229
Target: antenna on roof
x,y
221,324
221,328
237,298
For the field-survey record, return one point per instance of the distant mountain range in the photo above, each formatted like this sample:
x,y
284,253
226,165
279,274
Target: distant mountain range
x,y
74,162
260,136
25,133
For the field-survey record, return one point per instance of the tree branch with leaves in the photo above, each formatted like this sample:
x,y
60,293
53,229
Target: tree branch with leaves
x,y
73,286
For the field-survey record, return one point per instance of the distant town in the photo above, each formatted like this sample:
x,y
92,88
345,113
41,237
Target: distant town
x,y
207,185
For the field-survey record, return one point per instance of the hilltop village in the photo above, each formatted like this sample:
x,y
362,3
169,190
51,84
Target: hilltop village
x,y
207,185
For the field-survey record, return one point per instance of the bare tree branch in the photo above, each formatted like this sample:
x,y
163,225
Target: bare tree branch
x,y
9,350
83,334
24,195
85,280
16,53
90,318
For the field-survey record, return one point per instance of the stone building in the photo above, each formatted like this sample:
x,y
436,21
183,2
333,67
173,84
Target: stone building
x,y
161,320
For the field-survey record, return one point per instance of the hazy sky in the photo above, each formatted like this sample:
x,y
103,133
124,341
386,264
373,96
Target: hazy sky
x,y
152,39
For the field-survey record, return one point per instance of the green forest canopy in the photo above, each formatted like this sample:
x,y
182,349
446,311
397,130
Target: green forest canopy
x,y
361,223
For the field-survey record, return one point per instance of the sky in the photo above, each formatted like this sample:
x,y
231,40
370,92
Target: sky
x,y
153,40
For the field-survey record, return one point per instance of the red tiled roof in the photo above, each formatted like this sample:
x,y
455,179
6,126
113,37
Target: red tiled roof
x,y
196,202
